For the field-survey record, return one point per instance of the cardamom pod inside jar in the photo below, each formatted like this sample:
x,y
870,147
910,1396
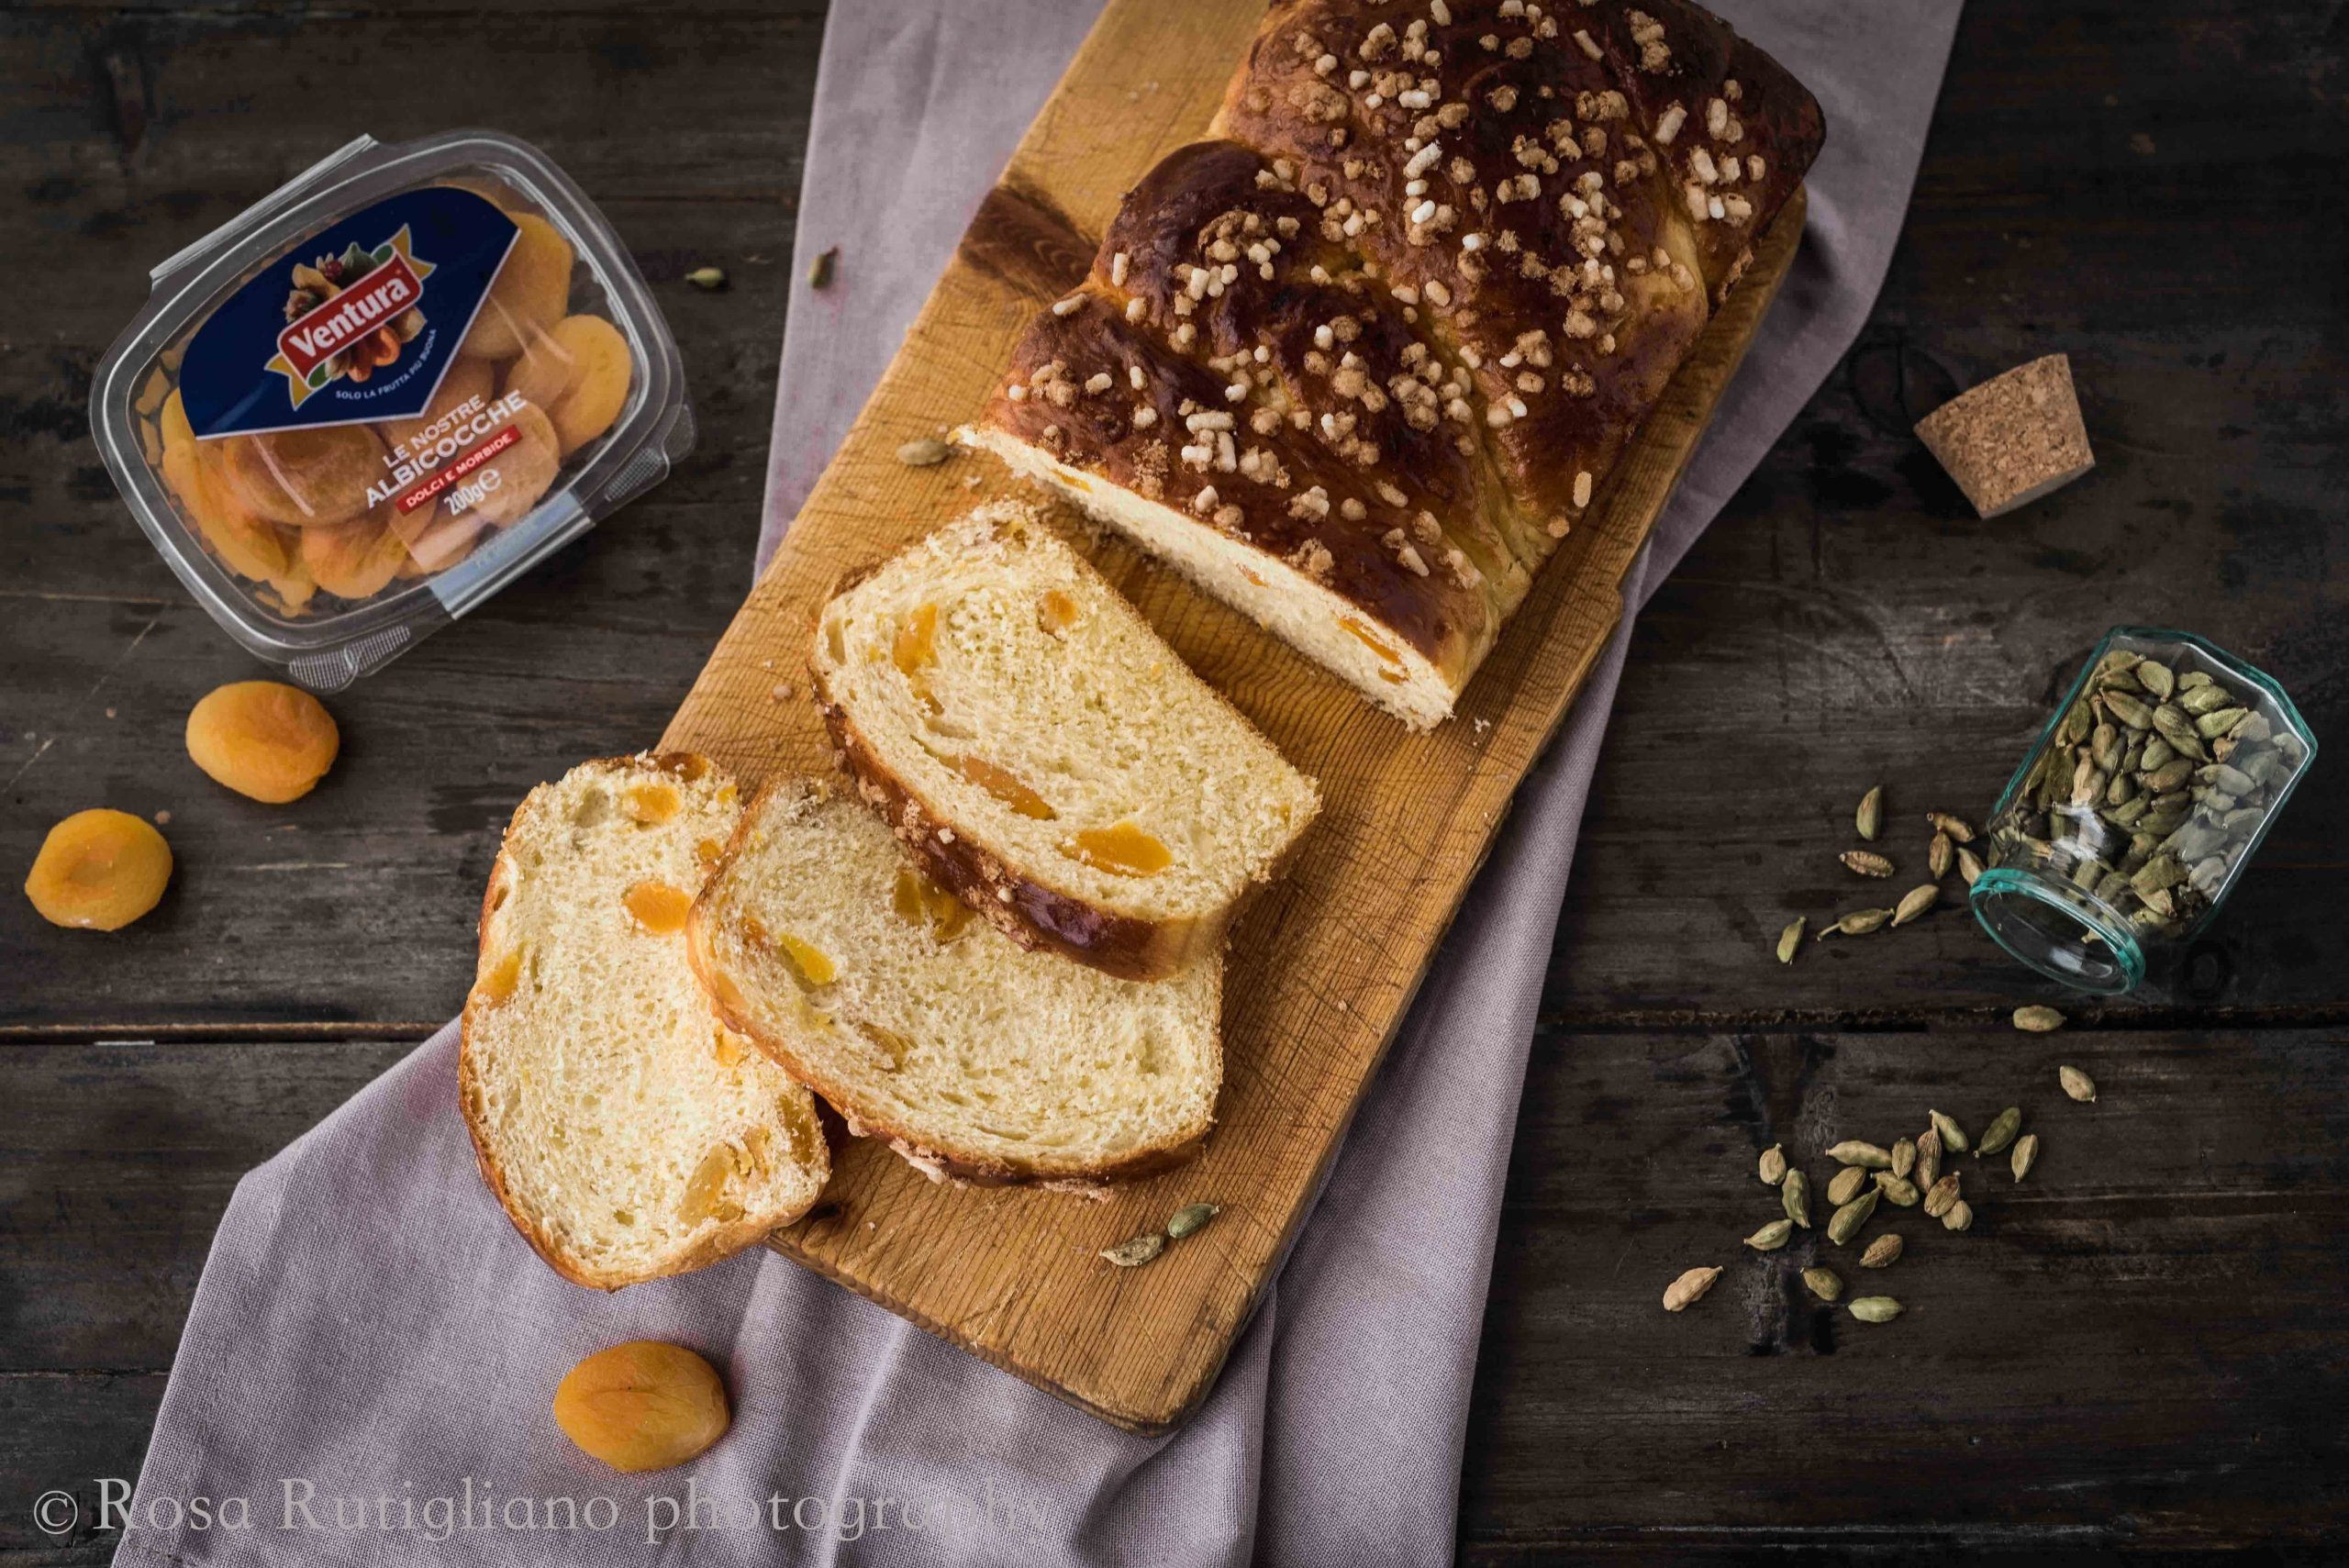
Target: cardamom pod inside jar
x,y
2137,807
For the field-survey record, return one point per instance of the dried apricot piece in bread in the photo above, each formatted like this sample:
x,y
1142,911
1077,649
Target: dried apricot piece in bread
x,y
358,560
531,293
99,870
642,1406
314,476
467,379
506,487
264,740
579,372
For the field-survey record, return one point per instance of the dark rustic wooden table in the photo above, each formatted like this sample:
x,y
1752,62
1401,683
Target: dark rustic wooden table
x,y
2146,1346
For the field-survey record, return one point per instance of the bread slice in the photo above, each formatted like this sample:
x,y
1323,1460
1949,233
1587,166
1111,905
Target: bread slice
x,y
1029,736
627,1134
976,1058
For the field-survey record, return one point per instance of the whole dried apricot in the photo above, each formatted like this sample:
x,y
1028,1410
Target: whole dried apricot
x,y
357,559
262,739
531,293
245,544
435,541
577,370
466,380
99,870
510,483
642,1406
313,477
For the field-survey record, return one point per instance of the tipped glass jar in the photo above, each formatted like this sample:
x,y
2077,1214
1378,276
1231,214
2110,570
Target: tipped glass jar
x,y
2133,815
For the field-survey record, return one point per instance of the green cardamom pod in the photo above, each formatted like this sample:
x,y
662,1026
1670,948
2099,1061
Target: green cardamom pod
x,y
2105,746
1904,1157
1689,1289
1823,1284
2193,678
1969,866
1852,1152
1190,1217
2204,699
1790,939
2038,1019
1770,1237
2156,754
1867,862
1883,1252
1929,1158
1773,1164
1850,1217
2156,678
1959,830
1858,923
1943,1193
1915,902
2077,1084
2026,1155
1846,1185
1938,855
1959,1217
1793,1196
1952,1135
1876,1309
2000,1132
1900,1190
2128,710
1132,1254
1869,819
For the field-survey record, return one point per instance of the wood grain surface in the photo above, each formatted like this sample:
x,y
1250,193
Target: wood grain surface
x,y
1846,619
1324,963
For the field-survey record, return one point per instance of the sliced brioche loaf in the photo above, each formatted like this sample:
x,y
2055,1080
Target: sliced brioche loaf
x,y
1028,736
975,1058
625,1132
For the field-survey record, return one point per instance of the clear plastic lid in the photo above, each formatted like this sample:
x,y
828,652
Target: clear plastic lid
x,y
369,402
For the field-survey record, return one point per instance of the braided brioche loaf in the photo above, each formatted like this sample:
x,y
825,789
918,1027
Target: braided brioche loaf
x,y
1359,364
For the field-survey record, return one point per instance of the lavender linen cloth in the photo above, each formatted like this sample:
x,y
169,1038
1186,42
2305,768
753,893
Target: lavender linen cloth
x,y
371,1351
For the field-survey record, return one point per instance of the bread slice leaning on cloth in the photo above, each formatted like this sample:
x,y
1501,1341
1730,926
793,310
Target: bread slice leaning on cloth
x,y
1043,753
975,1058
627,1134
1358,366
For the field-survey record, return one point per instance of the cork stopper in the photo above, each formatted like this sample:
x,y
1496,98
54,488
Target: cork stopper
x,y
2014,437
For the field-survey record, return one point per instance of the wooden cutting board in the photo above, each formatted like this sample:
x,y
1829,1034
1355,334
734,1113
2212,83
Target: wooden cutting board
x,y
1324,963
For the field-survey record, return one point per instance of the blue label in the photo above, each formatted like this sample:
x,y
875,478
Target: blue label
x,y
355,324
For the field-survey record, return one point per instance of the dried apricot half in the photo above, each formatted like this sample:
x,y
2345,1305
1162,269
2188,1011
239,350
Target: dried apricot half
x,y
245,544
642,1406
577,370
356,561
510,485
313,477
99,870
262,739
531,293
466,380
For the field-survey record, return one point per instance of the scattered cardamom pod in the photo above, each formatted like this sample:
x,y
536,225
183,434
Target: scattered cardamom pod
x,y
1689,1289
1858,923
1929,1158
1915,902
1824,1283
1899,1189
1883,1252
1904,1157
1876,1309
1959,1217
1190,1217
1938,855
1941,1195
1959,830
1969,866
2026,1155
1869,819
1134,1253
1867,862
1790,939
2037,1020
1770,1237
1952,1135
1852,1152
1793,1196
1850,1217
1773,1168
1846,1185
2077,1084
819,275
710,279
926,452
2000,1132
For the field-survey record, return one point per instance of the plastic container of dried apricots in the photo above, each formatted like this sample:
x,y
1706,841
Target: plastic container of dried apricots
x,y
365,405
